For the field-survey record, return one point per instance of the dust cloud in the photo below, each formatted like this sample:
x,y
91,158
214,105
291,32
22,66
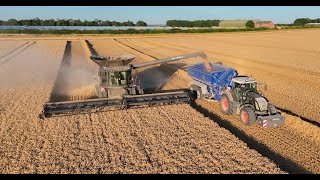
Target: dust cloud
x,y
75,80
72,79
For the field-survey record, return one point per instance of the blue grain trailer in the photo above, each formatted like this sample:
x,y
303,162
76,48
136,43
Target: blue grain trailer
x,y
236,94
213,83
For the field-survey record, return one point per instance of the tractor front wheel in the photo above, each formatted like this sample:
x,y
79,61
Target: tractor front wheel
x,y
247,116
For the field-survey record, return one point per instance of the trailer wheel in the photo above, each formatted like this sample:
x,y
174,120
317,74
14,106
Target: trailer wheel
x,y
196,92
226,105
247,116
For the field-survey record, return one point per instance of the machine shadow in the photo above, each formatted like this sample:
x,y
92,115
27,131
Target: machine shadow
x,y
155,78
63,72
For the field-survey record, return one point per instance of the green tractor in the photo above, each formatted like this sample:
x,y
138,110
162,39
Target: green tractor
x,y
243,98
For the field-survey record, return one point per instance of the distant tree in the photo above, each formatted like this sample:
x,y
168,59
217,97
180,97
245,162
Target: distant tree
x,y
35,22
78,22
85,23
114,23
141,23
52,22
284,24
59,22
128,23
302,21
67,22
26,22
12,22
250,24
96,22
197,23
106,23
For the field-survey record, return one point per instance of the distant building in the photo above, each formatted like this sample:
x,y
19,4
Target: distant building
x,y
264,24
233,23
313,24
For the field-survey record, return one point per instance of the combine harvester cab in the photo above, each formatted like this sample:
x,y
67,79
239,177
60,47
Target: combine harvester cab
x,y
236,94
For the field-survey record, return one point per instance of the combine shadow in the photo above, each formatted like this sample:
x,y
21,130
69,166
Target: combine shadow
x,y
155,78
90,46
60,82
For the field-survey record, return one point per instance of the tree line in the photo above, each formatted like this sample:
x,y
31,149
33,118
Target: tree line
x,y
304,21
67,22
197,23
301,22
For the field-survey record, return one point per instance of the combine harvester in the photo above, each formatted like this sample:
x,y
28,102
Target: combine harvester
x,y
118,85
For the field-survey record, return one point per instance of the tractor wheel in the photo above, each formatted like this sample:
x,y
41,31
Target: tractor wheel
x,y
226,106
247,116
272,109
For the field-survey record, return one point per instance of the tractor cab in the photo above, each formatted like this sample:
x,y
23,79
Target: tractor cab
x,y
242,86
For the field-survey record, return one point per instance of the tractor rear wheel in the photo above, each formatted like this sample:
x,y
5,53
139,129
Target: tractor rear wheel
x,y
247,116
226,106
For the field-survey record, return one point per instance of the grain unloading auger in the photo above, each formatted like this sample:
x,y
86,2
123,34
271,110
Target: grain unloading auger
x,y
118,85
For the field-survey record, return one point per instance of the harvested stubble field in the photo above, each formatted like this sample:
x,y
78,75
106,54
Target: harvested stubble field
x,y
144,140
298,141
287,61
163,139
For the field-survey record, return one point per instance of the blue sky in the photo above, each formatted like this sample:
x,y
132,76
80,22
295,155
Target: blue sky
x,y
159,14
